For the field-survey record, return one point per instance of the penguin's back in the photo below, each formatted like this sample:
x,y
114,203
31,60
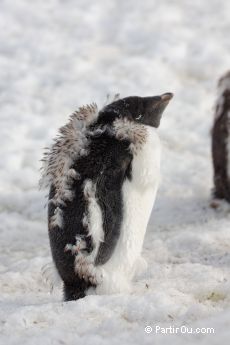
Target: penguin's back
x,y
95,210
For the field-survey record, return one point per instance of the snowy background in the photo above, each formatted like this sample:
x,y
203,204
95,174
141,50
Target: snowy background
x,y
56,55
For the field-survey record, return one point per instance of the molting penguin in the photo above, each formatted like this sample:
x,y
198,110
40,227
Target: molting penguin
x,y
221,142
103,173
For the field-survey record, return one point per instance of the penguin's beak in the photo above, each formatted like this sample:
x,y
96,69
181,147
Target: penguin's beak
x,y
156,102
154,108
166,97
159,103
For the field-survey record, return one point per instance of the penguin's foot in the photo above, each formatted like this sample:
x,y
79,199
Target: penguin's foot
x,y
88,271
220,205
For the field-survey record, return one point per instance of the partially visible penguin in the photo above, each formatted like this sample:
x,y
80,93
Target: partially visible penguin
x,y
221,142
103,173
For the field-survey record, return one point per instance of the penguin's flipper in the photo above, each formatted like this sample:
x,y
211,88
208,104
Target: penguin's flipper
x,y
109,191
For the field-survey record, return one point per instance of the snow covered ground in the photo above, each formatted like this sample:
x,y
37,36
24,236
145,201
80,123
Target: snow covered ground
x,y
56,55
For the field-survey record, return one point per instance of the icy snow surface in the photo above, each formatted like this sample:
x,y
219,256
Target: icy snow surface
x,y
56,55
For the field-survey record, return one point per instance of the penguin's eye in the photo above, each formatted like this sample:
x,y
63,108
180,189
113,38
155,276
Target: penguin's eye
x,y
139,117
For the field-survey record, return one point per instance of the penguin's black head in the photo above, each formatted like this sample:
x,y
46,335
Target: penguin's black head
x,y
144,110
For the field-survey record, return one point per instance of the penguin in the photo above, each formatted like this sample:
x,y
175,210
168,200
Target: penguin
x,y
103,172
221,143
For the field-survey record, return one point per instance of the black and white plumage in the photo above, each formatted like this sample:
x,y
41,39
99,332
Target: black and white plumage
x,y
221,142
103,174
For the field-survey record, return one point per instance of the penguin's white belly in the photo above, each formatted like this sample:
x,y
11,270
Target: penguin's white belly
x,y
138,199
